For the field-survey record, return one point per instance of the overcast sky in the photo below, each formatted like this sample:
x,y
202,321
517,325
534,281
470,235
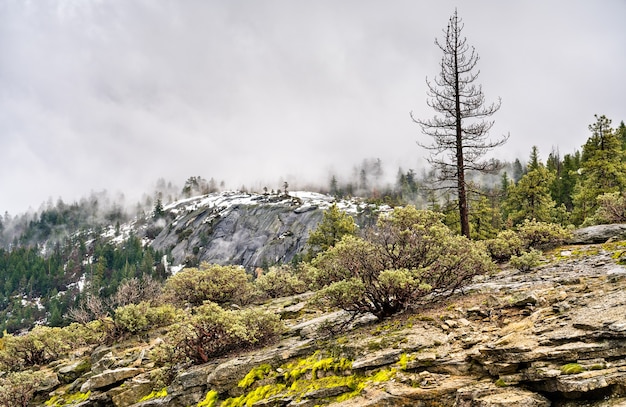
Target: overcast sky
x,y
114,94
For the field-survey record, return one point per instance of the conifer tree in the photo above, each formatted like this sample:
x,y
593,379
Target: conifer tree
x,y
460,130
334,225
530,198
602,168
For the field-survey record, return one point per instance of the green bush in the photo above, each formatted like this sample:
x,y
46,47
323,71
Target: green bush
x,y
529,235
505,245
527,260
17,389
40,346
134,318
280,282
611,209
210,282
542,235
212,331
408,255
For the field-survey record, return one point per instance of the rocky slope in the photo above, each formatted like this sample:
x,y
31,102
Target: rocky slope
x,y
555,335
252,230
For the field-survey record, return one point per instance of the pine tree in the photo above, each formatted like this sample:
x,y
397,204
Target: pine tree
x,y
460,131
334,225
602,168
518,170
530,198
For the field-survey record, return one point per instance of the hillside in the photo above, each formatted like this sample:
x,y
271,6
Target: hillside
x,y
554,335
425,319
51,264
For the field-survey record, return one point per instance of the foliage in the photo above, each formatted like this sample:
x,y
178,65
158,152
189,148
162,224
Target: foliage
x,y
527,260
530,198
211,331
17,389
529,235
136,290
210,282
542,235
280,281
505,245
602,168
335,224
611,209
409,254
39,346
134,318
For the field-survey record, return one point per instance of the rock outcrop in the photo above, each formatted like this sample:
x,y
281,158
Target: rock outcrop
x,y
599,234
552,336
251,230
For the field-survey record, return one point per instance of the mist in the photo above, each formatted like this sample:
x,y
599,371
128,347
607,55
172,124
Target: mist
x,y
115,95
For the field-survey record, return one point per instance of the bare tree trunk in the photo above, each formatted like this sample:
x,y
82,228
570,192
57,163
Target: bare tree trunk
x,y
458,145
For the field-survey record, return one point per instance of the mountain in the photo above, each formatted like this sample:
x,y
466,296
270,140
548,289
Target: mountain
x,y
55,259
252,230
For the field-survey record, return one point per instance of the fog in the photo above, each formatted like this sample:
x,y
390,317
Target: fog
x,y
116,94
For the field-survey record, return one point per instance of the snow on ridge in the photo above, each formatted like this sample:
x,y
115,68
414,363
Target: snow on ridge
x,y
225,200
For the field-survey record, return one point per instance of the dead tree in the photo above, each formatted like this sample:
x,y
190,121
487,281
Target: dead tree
x,y
459,129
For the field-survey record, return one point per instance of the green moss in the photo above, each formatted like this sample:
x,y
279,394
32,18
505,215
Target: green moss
x,y
255,374
597,366
314,363
254,396
404,360
155,395
301,377
67,399
572,368
383,376
209,400
500,383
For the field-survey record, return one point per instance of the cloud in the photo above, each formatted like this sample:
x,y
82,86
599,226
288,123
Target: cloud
x,y
115,94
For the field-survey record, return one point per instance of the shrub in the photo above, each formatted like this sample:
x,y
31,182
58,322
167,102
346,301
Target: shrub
x,y
134,318
135,290
408,255
41,345
280,282
527,260
541,235
505,245
212,331
18,388
210,282
611,209
529,235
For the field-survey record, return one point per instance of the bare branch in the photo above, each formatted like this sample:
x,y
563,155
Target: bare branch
x,y
459,130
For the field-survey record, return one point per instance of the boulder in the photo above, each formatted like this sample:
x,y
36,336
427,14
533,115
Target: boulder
x,y
69,373
598,234
132,391
109,377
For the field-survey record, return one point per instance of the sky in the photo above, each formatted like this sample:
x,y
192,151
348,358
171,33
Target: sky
x,y
114,94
